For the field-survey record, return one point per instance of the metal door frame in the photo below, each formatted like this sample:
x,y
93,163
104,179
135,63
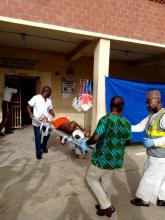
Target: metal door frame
x,y
16,108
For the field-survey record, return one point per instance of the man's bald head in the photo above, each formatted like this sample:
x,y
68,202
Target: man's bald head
x,y
117,104
154,100
154,94
46,91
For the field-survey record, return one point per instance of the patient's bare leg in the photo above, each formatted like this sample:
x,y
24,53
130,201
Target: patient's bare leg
x,y
69,127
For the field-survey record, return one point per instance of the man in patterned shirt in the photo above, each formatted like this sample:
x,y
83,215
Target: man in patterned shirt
x,y
111,135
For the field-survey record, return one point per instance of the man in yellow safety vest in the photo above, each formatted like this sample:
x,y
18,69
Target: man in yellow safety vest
x,y
152,185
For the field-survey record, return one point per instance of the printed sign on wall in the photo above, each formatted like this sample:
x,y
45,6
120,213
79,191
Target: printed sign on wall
x,y
68,87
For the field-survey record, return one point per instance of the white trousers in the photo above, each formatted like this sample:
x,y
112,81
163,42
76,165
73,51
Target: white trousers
x,y
152,184
99,181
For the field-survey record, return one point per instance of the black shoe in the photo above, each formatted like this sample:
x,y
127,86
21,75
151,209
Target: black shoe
x,y
107,212
9,132
45,150
97,206
160,203
2,134
39,156
138,202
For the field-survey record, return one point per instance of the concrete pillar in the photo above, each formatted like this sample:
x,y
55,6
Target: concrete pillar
x,y
101,70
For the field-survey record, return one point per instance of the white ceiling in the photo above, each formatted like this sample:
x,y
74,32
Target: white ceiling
x,y
61,45
131,51
38,38
62,42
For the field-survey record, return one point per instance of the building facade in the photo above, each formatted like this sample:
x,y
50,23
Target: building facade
x,y
40,40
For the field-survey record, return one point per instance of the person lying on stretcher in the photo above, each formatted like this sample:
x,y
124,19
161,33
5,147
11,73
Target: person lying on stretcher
x,y
70,128
67,126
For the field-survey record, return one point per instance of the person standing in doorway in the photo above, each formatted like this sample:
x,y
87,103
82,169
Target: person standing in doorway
x,y
113,132
42,107
6,109
152,185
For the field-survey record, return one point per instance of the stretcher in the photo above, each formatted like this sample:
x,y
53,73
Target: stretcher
x,y
74,144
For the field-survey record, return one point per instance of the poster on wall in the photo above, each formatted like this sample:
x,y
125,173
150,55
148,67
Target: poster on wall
x,y
68,87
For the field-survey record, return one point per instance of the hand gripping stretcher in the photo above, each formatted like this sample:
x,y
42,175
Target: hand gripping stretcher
x,y
74,144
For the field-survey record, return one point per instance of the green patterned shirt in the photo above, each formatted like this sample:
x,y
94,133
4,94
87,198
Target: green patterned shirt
x,y
114,131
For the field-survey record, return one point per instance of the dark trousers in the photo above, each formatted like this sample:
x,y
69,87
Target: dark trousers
x,y
39,146
6,112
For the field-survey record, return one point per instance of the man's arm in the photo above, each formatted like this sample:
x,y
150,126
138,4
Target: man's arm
x,y
93,139
50,109
140,127
13,90
29,111
128,133
31,103
99,132
51,112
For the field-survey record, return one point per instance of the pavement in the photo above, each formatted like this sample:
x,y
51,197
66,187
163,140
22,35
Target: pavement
x,y
55,188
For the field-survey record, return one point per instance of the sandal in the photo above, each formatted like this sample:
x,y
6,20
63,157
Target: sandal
x,y
138,202
160,203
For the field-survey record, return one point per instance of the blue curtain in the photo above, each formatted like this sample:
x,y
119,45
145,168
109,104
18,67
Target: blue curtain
x,y
134,95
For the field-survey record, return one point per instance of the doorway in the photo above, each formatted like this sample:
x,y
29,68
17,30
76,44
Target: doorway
x,y
26,87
